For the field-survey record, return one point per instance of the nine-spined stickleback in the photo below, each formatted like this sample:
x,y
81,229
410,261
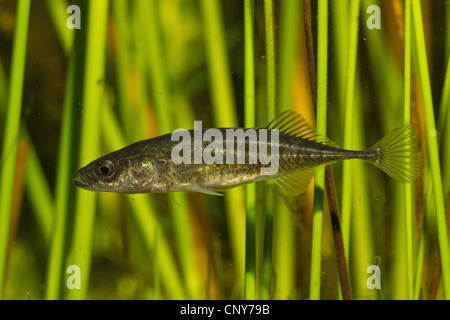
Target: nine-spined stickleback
x,y
149,166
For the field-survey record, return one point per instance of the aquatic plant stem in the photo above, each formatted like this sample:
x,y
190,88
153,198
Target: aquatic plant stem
x,y
443,128
166,119
66,163
283,239
433,151
321,127
280,236
147,220
59,20
337,233
407,119
11,133
348,127
310,50
321,120
80,253
223,97
288,40
250,190
38,189
120,12
224,114
444,125
270,60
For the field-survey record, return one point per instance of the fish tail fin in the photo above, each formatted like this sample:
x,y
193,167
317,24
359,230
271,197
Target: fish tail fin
x,y
397,154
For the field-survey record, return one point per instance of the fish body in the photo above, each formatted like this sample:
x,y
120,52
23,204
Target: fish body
x,y
149,166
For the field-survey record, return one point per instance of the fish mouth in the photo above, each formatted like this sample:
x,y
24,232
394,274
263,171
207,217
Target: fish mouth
x,y
81,182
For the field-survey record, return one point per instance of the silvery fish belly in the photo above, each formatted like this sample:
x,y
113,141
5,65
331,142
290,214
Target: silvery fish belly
x,y
209,160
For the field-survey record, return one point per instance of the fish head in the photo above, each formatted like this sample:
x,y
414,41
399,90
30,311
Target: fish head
x,y
133,174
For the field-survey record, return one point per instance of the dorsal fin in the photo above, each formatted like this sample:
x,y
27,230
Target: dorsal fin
x,y
291,123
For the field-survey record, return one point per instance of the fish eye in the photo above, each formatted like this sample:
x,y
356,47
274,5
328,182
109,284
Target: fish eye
x,y
106,168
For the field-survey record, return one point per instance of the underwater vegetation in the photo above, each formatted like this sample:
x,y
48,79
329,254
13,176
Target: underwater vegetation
x,y
81,79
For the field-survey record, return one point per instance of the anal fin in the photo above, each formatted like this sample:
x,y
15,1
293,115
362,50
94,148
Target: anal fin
x,y
296,182
209,192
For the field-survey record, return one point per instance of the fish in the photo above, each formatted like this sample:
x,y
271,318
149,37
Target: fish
x,y
148,166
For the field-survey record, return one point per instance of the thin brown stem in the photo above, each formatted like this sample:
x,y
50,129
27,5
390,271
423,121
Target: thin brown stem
x,y
337,233
310,49
329,182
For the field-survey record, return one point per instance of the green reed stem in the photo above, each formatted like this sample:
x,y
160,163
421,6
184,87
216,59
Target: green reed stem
x,y
290,11
270,61
37,187
421,247
445,101
444,126
11,133
447,29
358,242
39,191
3,88
348,119
163,106
249,84
362,237
322,68
388,78
157,70
121,13
218,63
338,28
321,120
66,163
283,250
250,194
224,113
147,220
433,150
280,226
407,119
80,253
444,130
56,10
